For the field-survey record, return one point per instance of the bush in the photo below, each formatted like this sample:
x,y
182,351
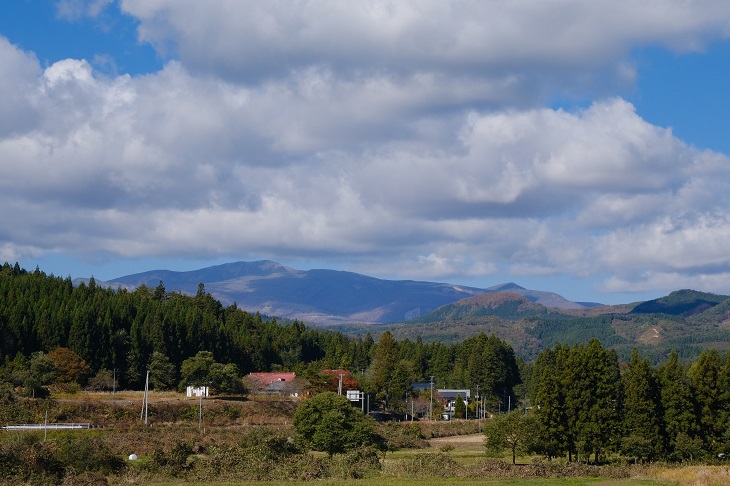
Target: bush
x,y
29,461
87,454
425,465
357,464
260,454
174,460
401,435
328,422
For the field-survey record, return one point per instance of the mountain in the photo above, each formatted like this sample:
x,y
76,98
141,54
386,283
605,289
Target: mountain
x,y
548,299
316,296
529,320
506,304
686,320
323,296
683,303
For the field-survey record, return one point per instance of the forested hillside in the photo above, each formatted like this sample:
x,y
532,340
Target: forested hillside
x,y
686,321
129,332
585,399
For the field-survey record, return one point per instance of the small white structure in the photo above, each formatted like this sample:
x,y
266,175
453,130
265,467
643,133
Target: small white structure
x,y
197,391
133,457
355,395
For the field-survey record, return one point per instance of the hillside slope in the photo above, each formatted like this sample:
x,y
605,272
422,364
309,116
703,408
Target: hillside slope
x,y
688,321
324,297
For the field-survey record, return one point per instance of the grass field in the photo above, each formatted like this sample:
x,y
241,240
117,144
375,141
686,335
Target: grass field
x,y
436,458
454,481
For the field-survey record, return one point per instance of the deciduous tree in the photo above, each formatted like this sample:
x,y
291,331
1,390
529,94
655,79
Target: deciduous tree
x,y
328,422
514,431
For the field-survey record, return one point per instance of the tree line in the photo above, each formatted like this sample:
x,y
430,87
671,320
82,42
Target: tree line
x,y
582,400
586,405
52,330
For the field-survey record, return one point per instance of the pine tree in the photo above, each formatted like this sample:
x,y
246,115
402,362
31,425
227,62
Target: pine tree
x,y
642,438
592,382
680,417
383,365
459,407
551,412
704,375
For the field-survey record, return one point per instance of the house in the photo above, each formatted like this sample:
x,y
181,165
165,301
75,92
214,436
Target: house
x,y
274,383
448,398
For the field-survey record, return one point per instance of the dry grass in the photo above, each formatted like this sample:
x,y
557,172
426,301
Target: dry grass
x,y
695,475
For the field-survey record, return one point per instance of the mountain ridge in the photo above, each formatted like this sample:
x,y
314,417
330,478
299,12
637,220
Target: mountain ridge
x,y
322,296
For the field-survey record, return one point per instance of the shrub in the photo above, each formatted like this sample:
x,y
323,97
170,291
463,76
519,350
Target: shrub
x,y
86,454
174,460
401,435
328,422
425,465
357,464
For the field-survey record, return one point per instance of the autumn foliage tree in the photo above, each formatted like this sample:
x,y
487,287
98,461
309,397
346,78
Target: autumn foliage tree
x,y
71,368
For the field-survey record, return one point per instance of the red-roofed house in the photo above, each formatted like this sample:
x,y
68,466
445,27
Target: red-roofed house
x,y
268,378
281,383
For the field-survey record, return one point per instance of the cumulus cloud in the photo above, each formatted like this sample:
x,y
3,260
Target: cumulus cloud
x,y
297,130
250,39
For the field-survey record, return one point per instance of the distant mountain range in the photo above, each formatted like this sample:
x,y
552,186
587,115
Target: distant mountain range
x,y
529,320
687,321
325,297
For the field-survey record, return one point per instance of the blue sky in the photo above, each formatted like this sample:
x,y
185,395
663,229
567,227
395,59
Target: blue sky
x,y
564,145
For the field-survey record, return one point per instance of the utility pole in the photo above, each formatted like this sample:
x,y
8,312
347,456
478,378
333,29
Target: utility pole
x,y
430,407
477,402
145,400
200,413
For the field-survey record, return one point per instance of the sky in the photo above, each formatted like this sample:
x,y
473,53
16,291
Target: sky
x,y
564,145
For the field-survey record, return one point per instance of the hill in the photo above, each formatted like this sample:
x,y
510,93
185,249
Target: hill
x,y
683,303
508,305
688,321
323,297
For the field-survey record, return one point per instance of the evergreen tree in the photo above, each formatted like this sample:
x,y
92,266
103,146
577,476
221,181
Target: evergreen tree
x,y
162,372
642,437
704,375
681,427
459,407
383,366
551,412
592,383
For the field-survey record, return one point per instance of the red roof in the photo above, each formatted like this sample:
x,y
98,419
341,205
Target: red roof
x,y
269,378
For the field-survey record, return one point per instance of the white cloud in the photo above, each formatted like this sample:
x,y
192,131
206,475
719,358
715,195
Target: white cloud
x,y
557,45
296,130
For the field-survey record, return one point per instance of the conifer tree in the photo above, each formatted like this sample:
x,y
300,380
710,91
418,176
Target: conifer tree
x,y
704,375
459,407
642,438
551,413
592,382
681,427
383,365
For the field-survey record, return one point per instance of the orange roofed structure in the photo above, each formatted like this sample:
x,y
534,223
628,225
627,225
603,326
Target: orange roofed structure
x,y
267,379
